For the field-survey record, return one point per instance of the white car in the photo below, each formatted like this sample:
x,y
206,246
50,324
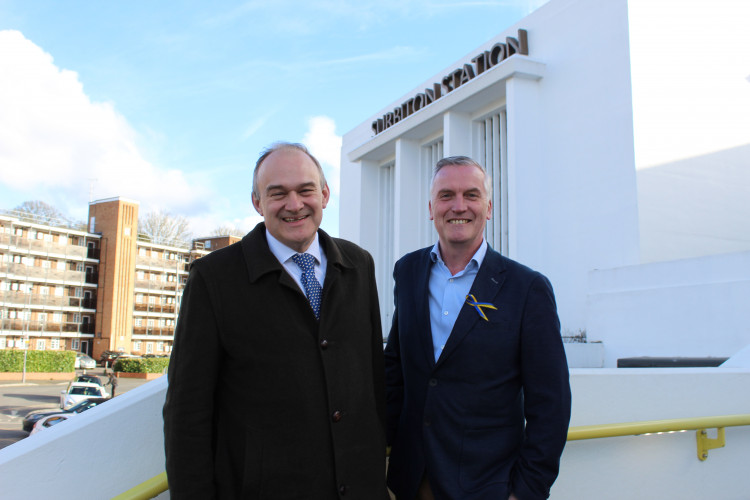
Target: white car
x,y
84,361
78,391
50,420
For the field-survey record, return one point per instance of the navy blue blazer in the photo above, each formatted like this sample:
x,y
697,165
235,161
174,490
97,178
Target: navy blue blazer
x,y
491,416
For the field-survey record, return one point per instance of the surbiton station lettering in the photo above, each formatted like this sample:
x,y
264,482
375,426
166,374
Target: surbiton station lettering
x,y
479,64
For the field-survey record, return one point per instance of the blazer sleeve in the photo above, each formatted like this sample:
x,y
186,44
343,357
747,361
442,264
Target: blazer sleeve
x,y
394,379
546,391
189,407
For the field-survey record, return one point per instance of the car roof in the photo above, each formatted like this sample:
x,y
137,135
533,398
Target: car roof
x,y
84,384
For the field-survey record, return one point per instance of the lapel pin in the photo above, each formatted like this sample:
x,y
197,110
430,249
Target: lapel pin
x,y
472,301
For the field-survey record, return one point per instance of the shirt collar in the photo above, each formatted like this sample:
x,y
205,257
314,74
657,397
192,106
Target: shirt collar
x,y
477,258
284,253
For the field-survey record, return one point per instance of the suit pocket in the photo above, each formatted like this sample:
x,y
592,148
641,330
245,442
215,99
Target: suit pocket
x,y
487,457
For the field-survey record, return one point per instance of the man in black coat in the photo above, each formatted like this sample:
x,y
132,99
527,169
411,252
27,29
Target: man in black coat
x,y
276,386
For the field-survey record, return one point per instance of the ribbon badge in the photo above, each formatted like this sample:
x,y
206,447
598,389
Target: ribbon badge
x,y
472,301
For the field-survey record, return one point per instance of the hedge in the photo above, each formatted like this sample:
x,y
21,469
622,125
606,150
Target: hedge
x,y
11,360
141,365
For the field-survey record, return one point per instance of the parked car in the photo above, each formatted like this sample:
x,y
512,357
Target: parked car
x,y
84,361
78,391
108,358
49,421
33,417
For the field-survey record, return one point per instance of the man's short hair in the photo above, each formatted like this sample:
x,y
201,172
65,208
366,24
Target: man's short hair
x,y
462,160
279,146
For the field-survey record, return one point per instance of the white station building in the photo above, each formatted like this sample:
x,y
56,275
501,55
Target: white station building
x,y
618,137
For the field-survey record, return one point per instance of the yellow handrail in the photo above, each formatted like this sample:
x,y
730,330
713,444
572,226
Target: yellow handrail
x,y
653,426
156,485
147,489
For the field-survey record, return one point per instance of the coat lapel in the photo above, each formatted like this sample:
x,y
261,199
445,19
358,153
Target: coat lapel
x,y
422,289
259,259
486,285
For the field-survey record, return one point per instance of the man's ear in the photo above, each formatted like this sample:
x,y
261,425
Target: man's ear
x,y
256,204
429,207
326,195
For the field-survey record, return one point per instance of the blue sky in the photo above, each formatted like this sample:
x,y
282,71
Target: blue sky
x,y
170,103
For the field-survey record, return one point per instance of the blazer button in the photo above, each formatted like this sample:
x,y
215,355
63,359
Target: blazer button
x,y
433,382
342,489
324,344
336,416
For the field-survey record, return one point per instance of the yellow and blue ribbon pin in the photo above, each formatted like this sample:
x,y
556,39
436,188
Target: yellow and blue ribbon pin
x,y
472,301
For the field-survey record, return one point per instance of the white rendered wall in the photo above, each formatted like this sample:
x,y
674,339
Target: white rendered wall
x,y
656,467
100,453
571,176
691,108
691,307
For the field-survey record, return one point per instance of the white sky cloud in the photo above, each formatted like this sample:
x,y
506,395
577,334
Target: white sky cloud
x,y
55,142
325,145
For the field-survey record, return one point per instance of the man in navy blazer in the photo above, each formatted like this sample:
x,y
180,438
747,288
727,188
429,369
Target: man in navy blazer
x,y
476,375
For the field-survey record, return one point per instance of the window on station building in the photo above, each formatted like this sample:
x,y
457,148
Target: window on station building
x,y
386,228
491,146
430,154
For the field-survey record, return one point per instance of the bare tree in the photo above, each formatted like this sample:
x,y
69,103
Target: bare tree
x,y
164,228
227,231
44,213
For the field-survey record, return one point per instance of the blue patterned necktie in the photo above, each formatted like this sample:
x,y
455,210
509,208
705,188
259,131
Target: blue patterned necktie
x,y
306,262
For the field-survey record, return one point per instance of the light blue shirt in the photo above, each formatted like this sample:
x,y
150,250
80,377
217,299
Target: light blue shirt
x,y
284,255
448,294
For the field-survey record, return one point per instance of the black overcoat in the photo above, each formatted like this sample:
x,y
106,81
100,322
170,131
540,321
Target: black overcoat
x,y
263,401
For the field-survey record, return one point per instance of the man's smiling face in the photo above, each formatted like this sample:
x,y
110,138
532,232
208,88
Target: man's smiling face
x,y
291,198
460,207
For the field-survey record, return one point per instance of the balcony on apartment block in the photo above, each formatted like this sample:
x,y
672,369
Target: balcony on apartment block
x,y
155,308
65,250
21,299
51,327
23,271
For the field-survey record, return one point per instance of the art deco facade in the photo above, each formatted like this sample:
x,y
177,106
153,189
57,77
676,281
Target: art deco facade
x,y
103,289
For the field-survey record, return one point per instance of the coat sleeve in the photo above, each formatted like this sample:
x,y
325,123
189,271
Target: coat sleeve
x,y
377,345
189,407
546,391
394,379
